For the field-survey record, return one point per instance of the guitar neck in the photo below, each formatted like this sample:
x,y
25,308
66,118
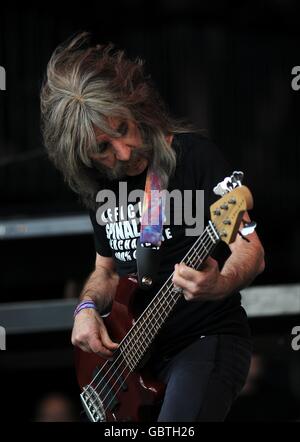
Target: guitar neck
x,y
139,338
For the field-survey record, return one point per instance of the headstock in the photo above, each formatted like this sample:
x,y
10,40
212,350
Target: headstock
x,y
227,213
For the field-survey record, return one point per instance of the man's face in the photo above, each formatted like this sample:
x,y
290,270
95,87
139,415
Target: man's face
x,y
120,156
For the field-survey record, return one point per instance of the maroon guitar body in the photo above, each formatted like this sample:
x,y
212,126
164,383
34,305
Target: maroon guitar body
x,y
125,395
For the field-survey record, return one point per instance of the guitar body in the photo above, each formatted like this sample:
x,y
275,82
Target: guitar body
x,y
126,395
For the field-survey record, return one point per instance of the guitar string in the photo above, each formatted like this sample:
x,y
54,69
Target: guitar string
x,y
111,389
195,252
120,375
190,258
148,307
122,361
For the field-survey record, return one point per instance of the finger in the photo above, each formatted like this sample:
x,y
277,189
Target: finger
x,y
209,264
80,342
183,283
186,272
97,347
106,354
106,341
189,296
84,347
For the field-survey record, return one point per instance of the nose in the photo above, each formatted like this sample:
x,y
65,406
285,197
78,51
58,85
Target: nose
x,y
122,151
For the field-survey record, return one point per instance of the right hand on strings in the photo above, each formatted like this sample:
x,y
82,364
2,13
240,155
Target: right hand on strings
x,y
90,334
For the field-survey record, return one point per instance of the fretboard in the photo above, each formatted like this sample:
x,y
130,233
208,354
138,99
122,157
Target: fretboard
x,y
139,338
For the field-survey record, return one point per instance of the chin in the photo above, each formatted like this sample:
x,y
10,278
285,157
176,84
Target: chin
x,y
137,168
132,173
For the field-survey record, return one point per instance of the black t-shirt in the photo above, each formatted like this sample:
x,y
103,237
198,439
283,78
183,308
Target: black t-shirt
x,y
200,166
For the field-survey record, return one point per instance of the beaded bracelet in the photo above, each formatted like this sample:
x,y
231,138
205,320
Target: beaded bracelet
x,y
84,304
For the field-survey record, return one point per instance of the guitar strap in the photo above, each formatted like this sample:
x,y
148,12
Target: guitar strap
x,y
148,253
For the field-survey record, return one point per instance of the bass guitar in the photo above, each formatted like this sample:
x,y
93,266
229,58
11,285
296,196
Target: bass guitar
x,y
117,390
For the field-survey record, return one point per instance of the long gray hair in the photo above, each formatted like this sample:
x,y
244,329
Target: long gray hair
x,y
84,87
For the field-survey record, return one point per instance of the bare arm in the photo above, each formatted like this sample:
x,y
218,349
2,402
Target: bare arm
x,y
89,331
244,264
101,284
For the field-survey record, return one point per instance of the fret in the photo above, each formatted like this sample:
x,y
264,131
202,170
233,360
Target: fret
x,y
128,359
214,232
198,257
135,358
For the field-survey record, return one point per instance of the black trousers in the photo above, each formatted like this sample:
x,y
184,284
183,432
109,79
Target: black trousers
x,y
204,379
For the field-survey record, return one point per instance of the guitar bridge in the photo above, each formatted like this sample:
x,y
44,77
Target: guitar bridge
x,y
93,405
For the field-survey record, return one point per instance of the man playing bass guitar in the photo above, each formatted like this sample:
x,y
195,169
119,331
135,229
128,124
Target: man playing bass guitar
x,y
104,124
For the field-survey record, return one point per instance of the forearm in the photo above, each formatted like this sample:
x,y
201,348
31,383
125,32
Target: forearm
x,y
242,267
100,287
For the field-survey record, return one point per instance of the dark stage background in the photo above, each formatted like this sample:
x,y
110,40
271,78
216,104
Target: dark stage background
x,y
225,66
